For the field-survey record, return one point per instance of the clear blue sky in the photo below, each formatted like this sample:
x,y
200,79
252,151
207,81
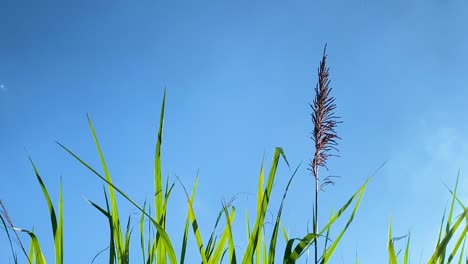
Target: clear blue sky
x,y
239,77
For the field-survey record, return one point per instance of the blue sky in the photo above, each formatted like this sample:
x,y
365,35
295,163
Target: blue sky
x,y
239,77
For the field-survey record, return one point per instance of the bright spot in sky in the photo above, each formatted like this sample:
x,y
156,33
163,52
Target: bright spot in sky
x,y
3,87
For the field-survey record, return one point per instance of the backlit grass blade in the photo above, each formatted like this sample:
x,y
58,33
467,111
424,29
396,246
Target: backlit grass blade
x,y
168,191
142,233
112,256
195,228
274,236
31,252
187,223
438,253
158,188
327,235
457,245
258,226
460,260
392,256
128,232
337,240
291,256
113,201
231,247
247,223
406,255
57,226
260,194
212,242
285,234
449,217
439,235
35,246
217,254
160,229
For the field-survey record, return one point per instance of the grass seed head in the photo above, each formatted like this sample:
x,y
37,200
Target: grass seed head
x,y
324,120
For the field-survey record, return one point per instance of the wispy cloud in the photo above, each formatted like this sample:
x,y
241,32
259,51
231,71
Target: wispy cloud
x,y
3,88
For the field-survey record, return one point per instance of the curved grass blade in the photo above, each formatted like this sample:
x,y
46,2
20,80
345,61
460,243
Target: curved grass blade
x,y
187,223
57,226
392,256
118,237
291,256
226,236
438,253
159,228
406,255
15,256
142,233
449,217
457,245
35,248
210,246
112,255
333,246
274,236
196,231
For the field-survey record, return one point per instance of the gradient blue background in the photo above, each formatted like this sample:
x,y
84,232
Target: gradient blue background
x,y
239,77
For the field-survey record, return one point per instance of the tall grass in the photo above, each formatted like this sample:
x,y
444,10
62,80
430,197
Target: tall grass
x,y
324,135
262,247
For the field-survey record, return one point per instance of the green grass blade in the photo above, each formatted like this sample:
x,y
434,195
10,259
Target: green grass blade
x,y
59,237
232,249
128,232
460,260
457,245
112,255
274,236
247,223
291,256
439,236
327,236
196,231
449,217
142,233
31,253
258,226
57,228
217,254
438,253
333,246
113,201
159,228
406,255
187,223
285,234
392,257
210,246
36,248
158,188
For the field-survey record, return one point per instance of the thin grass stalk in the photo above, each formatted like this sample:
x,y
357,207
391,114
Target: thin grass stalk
x,y
6,217
324,135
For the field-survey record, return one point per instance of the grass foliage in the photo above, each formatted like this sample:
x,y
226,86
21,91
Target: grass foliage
x,y
262,246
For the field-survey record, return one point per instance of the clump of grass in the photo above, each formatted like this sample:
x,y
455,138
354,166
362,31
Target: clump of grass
x,y
158,246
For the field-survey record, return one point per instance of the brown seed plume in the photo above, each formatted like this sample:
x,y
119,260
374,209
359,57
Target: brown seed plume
x,y
324,120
